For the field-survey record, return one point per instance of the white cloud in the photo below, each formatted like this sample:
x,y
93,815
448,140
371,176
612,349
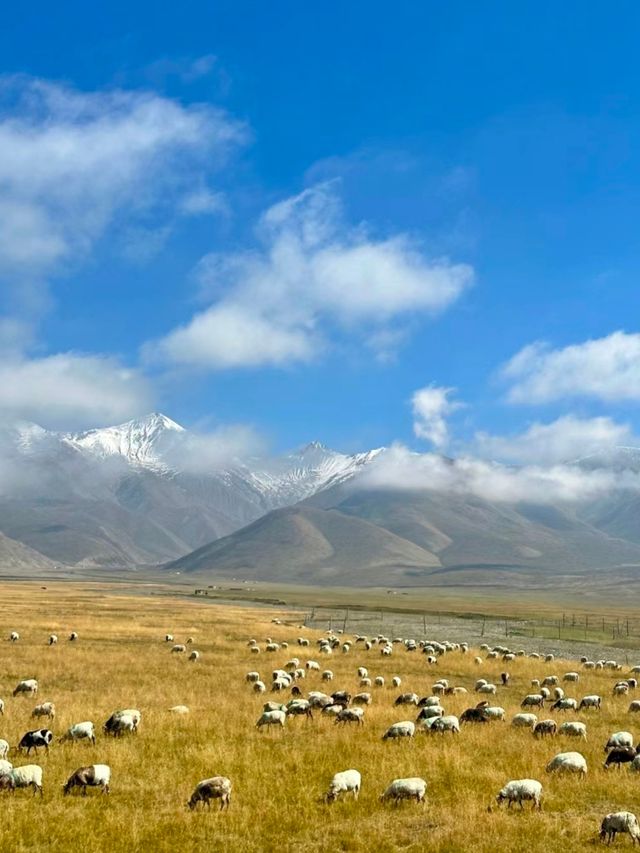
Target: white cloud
x,y
311,279
71,391
564,439
74,163
431,406
400,469
197,452
604,368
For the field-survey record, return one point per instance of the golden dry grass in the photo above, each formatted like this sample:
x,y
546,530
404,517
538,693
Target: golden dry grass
x,y
121,660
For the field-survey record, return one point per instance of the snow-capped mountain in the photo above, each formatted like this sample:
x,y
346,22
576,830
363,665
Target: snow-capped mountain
x,y
121,495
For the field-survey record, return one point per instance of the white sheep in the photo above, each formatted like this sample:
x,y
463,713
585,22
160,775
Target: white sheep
x,y
345,782
194,656
4,748
179,710
524,721
80,731
27,776
53,639
520,790
571,676
327,675
28,686
14,636
272,718
494,713
634,707
313,665
5,767
216,788
252,677
592,701
619,740
46,709
568,762
379,681
621,689
447,723
615,822
412,788
178,649
93,776
406,728
574,729
259,687
363,672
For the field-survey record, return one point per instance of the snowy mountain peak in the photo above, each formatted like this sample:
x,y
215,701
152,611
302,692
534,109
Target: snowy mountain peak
x,y
618,458
143,440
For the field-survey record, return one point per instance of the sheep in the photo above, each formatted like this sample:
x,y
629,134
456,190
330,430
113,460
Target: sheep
x,y
119,723
259,687
179,710
351,715
362,699
477,661
327,675
407,699
26,776
473,715
255,650
319,700
494,713
520,790
592,701
619,740
619,757
545,693
634,707
545,727
168,638
194,656
621,689
53,639
271,647
533,700
412,788
4,748
46,709
215,788
558,693
14,636
574,729
313,665
345,782
35,739
302,641
430,711
480,683
565,704
73,636
252,677
274,706
272,718
378,681
524,721
504,678
571,676
92,776
550,681
567,762
178,649
363,672
615,822
406,728
5,767
80,731
299,708
448,723
28,686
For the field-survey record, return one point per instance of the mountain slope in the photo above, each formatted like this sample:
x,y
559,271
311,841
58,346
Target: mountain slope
x,y
303,544
16,557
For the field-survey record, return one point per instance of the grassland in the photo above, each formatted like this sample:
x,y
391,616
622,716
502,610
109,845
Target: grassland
x,y
121,660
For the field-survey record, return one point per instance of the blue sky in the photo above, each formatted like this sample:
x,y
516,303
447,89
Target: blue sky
x,y
295,216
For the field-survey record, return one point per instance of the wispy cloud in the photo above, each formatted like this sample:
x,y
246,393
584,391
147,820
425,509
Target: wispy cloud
x,y
431,407
605,368
310,279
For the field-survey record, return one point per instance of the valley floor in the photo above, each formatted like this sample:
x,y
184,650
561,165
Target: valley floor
x,y
121,660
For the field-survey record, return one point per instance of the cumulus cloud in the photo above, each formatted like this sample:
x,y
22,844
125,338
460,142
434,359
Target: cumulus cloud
x,y
196,452
73,163
605,368
564,439
310,278
403,470
431,407
71,390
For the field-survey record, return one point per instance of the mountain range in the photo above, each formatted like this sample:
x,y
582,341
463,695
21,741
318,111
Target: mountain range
x,y
145,493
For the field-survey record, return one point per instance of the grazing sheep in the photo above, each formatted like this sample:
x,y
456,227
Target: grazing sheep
x,y
14,636
524,721
80,731
494,713
533,700
327,675
621,689
73,636
313,665
5,767
448,723
92,776
571,676
378,681
35,739
565,704
545,727
504,678
615,822
178,649
520,790
345,782
406,728
412,788
27,776
259,687
488,688
351,715
272,718
46,709
430,711
4,748
53,639
168,638
363,672
473,715
216,788
407,699
634,707
252,677
558,693
619,757
194,656
362,699
619,740
567,762
574,729
119,723
28,686
180,710
299,708
592,701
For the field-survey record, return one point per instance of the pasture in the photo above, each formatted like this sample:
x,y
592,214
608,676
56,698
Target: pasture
x,y
121,661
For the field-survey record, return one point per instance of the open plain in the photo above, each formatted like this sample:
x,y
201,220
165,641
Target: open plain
x,y
121,660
